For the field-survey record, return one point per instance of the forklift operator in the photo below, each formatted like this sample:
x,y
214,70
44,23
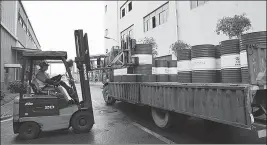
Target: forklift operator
x,y
43,80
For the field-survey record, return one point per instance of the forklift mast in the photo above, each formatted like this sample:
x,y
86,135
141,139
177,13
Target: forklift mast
x,y
82,60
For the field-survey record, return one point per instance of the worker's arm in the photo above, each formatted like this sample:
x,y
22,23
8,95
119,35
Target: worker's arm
x,y
44,78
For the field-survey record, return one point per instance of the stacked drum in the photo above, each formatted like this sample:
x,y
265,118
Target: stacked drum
x,y
258,38
161,70
172,71
184,65
203,64
143,70
218,63
230,61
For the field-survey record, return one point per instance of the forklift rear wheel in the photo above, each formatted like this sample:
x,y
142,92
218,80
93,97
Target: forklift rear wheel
x,y
29,130
162,118
82,122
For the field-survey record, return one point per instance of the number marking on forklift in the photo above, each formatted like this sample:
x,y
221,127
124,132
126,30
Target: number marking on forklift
x,y
50,107
262,133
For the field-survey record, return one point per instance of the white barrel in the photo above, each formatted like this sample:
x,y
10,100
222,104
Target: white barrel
x,y
184,66
203,64
230,61
161,70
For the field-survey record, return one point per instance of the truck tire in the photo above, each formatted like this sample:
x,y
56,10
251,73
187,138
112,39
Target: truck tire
x,y
29,130
82,122
107,98
163,119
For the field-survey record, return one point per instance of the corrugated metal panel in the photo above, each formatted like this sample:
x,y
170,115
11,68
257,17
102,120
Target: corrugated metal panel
x,y
21,34
7,55
225,103
8,15
128,92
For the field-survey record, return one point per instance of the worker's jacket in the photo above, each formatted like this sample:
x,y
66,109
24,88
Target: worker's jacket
x,y
41,76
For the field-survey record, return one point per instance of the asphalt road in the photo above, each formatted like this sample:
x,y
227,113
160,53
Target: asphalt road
x,y
124,123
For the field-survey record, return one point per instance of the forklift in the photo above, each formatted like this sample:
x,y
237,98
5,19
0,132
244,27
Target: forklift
x,y
48,110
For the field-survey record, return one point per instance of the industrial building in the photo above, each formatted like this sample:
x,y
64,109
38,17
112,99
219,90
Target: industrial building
x,y
193,22
17,35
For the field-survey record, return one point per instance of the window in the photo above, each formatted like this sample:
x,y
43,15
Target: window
x,y
128,32
131,33
125,8
123,13
194,4
153,22
24,26
20,19
156,18
106,8
129,6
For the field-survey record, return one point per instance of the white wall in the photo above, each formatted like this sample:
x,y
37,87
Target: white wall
x,y
111,23
197,26
164,34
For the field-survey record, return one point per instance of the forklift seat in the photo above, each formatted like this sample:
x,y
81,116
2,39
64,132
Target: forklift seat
x,y
37,91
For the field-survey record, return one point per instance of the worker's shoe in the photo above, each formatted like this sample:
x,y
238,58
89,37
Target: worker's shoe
x,y
76,101
71,93
71,101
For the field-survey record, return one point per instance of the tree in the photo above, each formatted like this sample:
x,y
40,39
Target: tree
x,y
151,41
178,45
233,26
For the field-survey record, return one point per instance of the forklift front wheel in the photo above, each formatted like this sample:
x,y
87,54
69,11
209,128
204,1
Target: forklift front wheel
x,y
108,99
29,130
82,122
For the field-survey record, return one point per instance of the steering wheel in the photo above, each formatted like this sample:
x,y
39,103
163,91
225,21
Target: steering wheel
x,y
56,79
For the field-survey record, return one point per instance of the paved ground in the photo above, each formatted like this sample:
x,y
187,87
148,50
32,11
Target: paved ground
x,y
124,123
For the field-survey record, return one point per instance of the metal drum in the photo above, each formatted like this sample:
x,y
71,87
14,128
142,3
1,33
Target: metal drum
x,y
162,70
184,66
144,68
203,64
218,63
230,61
246,39
172,71
128,78
146,78
119,74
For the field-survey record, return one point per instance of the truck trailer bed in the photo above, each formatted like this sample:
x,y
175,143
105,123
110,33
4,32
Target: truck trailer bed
x,y
224,103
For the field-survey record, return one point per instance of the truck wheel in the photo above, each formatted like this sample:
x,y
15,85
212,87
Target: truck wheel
x,y
162,119
29,130
82,122
107,98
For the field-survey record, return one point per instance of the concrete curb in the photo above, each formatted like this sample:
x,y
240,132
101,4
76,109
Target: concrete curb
x,y
5,117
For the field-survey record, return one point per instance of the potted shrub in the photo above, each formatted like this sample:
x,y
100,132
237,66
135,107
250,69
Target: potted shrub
x,y
179,46
150,40
233,27
15,87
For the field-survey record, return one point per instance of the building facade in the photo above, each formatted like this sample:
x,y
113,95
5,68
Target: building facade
x,y
193,22
17,35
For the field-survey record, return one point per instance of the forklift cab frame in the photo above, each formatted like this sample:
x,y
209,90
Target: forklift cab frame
x,y
44,97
